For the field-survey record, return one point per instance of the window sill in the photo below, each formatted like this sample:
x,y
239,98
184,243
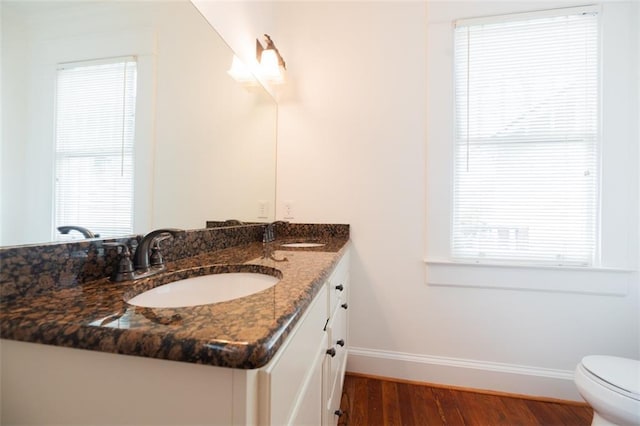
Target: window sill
x,y
556,279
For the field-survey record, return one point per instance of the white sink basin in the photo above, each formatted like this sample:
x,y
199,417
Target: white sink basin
x,y
302,245
204,290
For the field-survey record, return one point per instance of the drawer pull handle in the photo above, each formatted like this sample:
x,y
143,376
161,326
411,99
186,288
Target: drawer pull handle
x,y
344,306
332,352
338,413
340,342
340,287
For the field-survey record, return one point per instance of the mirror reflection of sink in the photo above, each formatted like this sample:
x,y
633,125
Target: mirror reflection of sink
x,y
204,290
302,245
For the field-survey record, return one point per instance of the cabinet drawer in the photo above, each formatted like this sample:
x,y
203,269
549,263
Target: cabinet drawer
x,y
333,403
337,333
339,285
284,377
335,368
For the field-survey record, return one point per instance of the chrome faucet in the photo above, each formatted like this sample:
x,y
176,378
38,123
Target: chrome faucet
x,y
84,231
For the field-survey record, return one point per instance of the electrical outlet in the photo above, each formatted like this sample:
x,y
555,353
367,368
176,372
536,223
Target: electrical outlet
x,y
263,209
288,210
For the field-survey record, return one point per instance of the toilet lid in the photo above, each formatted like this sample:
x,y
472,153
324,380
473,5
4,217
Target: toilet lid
x,y
622,373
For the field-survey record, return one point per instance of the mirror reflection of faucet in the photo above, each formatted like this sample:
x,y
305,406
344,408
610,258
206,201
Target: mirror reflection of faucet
x,y
147,259
268,237
81,229
269,234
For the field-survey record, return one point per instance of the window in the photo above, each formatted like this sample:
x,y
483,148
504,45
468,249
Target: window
x,y
94,144
609,264
526,162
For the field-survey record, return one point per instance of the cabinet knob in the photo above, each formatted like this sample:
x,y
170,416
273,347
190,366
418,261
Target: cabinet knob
x,y
344,306
332,352
338,413
339,287
340,342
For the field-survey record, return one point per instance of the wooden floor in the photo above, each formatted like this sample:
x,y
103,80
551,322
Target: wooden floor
x,y
372,401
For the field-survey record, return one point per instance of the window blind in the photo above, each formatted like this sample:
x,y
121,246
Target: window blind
x,y
94,142
526,138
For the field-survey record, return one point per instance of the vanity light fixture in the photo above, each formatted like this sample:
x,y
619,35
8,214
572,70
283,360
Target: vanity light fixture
x,y
241,73
272,66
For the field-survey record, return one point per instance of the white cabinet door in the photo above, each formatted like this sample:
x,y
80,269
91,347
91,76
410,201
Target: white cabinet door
x,y
308,410
337,333
283,380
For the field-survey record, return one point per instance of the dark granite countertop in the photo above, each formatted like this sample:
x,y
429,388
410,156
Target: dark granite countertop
x,y
242,333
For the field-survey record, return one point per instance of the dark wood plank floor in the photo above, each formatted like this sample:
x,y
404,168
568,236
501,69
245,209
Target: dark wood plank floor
x,y
371,401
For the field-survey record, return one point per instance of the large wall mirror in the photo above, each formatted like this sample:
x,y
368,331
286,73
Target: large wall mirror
x,y
204,145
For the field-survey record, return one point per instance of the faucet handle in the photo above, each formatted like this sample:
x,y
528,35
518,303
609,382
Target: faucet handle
x,y
156,257
124,270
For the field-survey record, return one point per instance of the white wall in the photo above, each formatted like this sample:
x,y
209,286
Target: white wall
x,y
215,141
14,42
240,23
351,149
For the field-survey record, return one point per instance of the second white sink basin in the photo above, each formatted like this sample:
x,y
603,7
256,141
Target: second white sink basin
x,y
302,245
204,290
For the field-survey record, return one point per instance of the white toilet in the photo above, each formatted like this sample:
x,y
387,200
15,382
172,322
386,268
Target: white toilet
x,y
611,385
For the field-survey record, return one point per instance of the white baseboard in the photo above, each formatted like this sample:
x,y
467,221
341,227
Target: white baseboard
x,y
510,378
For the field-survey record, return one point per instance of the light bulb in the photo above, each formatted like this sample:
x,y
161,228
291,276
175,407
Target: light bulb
x,y
270,67
240,72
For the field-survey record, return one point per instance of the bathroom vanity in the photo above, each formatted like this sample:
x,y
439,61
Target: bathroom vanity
x,y
274,357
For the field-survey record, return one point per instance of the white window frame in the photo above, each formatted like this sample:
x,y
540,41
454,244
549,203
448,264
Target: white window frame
x,y
619,168
51,52
493,235
105,227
